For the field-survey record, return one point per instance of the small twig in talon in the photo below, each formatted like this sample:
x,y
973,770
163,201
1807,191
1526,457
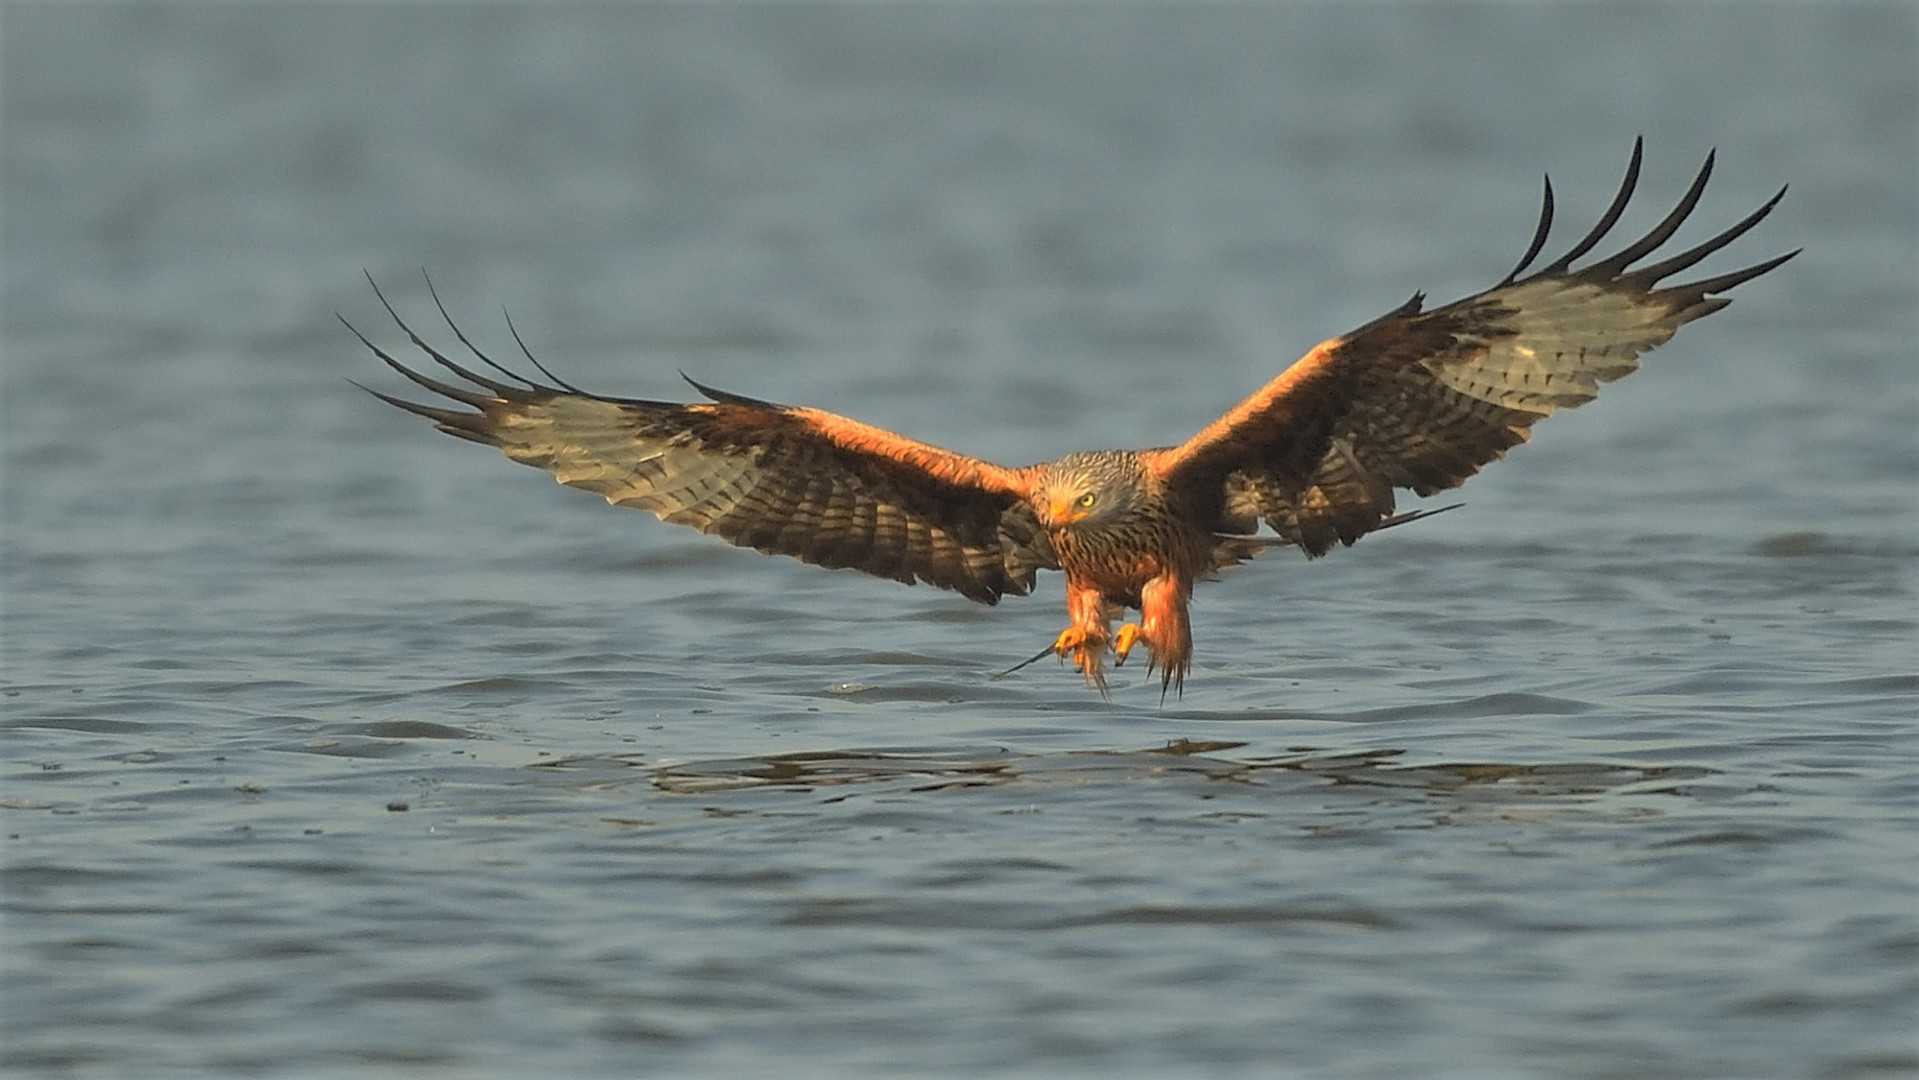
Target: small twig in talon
x,y
1037,657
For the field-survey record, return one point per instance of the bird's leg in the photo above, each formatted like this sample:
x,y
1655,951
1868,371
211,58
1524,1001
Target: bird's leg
x,y
1167,631
1090,635
1123,643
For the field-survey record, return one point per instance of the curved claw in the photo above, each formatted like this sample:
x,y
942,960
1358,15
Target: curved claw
x,y
1123,644
1087,651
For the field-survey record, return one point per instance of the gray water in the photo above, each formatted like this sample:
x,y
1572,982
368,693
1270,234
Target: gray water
x,y
333,745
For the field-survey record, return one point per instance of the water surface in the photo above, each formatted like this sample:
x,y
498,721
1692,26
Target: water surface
x,y
333,745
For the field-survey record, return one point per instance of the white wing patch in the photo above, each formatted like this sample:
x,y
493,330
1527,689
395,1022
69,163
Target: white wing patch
x,y
1568,337
676,478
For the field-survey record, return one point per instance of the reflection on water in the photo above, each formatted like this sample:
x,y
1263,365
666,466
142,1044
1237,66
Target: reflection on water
x,y
954,768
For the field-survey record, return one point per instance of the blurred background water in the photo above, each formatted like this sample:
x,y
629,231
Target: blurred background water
x,y
333,745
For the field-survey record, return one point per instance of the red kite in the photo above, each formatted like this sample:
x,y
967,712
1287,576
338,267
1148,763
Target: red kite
x,y
1414,399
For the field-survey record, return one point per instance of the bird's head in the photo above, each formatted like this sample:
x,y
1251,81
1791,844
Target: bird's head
x,y
1089,490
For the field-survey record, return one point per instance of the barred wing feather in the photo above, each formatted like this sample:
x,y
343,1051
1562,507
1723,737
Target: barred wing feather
x,y
789,481
1421,400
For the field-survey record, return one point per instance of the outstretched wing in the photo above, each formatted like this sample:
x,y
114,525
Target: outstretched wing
x,y
1422,400
787,481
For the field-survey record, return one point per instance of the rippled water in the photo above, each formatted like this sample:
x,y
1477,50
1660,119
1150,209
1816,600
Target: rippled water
x,y
334,745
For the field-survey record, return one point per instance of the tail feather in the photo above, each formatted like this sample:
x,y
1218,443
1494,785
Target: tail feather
x,y
1232,549
1415,515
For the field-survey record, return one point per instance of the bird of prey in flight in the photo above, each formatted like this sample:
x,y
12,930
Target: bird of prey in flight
x,y
1415,399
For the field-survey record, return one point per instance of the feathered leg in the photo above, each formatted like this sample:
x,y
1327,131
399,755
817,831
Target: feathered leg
x,y
1164,626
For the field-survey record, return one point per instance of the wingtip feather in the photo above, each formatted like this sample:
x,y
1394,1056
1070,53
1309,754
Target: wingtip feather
x,y
725,397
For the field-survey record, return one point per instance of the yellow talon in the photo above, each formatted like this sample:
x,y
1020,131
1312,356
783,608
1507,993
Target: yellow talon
x,y
1069,639
1123,644
1085,648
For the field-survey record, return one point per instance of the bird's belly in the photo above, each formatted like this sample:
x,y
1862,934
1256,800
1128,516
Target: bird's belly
x,y
1117,574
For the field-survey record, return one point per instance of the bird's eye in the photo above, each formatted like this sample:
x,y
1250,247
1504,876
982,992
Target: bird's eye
x,y
1088,499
